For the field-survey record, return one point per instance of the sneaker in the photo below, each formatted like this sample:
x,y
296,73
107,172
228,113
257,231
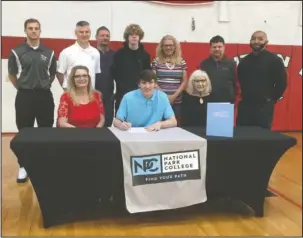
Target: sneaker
x,y
22,176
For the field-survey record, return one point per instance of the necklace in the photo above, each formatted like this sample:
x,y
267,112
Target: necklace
x,y
169,65
201,101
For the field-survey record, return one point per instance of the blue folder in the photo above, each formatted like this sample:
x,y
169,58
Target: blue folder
x,y
220,119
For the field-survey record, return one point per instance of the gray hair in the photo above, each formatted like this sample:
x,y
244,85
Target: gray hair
x,y
190,85
82,23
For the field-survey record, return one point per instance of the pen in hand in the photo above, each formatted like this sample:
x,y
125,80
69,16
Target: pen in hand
x,y
126,125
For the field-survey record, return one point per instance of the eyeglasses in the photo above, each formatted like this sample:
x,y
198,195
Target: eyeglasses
x,y
199,80
81,76
168,46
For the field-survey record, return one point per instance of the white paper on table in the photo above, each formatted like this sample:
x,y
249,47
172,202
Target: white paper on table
x,y
137,130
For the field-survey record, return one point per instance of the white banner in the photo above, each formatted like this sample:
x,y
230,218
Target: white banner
x,y
162,170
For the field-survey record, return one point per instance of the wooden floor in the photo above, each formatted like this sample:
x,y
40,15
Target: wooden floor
x,y
283,214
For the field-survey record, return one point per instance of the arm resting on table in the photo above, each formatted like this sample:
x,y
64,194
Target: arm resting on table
x,y
171,122
63,122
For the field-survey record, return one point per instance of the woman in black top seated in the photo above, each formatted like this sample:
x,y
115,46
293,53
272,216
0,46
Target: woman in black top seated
x,y
195,99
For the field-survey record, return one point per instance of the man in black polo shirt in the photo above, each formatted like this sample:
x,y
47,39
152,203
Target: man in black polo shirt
x,y
263,80
32,68
105,81
221,71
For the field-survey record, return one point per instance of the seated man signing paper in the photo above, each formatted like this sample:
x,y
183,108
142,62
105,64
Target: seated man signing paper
x,y
145,107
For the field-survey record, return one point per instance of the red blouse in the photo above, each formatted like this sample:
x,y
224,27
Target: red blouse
x,y
83,115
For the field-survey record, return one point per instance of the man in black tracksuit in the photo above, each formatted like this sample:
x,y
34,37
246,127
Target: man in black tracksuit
x,y
221,71
37,66
263,80
128,62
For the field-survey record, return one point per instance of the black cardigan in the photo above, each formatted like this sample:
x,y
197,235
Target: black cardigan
x,y
193,112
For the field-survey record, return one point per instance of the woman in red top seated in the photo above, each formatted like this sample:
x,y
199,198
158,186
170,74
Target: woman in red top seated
x,y
80,105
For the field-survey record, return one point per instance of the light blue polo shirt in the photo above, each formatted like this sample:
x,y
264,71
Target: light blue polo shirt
x,y
142,112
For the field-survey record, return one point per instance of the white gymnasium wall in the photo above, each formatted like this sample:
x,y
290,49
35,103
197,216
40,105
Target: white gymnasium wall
x,y
281,20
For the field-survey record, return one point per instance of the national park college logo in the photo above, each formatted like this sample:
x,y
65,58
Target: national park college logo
x,y
43,57
167,167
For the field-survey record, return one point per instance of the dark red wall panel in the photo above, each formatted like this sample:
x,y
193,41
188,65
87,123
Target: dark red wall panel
x,y
288,112
281,109
294,113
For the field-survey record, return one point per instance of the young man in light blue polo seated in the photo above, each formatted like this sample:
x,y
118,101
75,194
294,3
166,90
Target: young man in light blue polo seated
x,y
145,107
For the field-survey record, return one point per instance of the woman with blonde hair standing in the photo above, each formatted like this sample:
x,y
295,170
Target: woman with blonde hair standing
x,y
170,69
80,105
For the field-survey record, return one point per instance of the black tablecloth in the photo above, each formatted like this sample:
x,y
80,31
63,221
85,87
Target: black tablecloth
x,y
241,166
71,169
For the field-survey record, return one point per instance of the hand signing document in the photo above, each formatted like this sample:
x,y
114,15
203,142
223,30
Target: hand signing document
x,y
137,130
